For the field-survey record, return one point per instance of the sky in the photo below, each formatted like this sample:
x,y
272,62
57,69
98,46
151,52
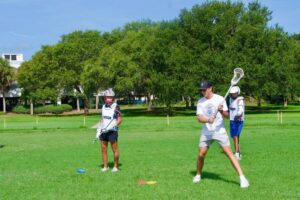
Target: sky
x,y
26,25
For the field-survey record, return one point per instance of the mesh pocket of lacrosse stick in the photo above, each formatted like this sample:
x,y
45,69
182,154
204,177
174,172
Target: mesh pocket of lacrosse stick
x,y
238,74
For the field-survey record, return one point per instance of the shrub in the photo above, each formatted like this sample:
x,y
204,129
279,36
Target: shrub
x,y
55,109
21,109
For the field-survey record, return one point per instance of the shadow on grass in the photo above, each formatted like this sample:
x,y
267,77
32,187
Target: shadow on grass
x,y
213,176
1,146
111,165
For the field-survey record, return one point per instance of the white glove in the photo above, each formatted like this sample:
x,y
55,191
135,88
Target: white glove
x,y
98,133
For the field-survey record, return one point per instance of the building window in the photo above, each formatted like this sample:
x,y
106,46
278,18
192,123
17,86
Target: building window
x,y
13,57
7,57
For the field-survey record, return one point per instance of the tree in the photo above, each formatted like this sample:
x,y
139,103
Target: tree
x,y
72,52
6,79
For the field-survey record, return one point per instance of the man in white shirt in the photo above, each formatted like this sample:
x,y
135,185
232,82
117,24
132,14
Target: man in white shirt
x,y
211,109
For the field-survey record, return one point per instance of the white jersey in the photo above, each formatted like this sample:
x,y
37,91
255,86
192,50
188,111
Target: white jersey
x,y
109,113
208,108
237,109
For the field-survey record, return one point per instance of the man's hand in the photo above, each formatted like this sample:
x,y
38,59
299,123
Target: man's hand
x,y
220,108
211,120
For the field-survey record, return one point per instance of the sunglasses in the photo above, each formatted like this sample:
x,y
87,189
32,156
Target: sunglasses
x,y
203,90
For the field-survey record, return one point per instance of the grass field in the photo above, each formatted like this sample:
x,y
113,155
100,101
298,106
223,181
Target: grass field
x,y
39,157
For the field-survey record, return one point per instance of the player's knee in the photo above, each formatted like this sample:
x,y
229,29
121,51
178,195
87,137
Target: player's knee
x,y
202,155
116,152
104,148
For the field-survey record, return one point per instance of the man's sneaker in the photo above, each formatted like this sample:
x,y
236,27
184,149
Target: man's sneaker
x,y
104,169
114,169
238,155
244,182
197,178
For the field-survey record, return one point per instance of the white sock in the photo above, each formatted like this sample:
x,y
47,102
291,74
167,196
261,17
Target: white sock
x,y
242,177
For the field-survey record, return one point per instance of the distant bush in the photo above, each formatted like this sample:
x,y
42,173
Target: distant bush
x,y
21,109
54,109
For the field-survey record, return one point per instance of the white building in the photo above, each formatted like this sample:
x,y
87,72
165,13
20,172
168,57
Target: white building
x,y
14,59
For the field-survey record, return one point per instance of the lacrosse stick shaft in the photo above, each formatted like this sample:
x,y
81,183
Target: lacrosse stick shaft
x,y
224,99
227,93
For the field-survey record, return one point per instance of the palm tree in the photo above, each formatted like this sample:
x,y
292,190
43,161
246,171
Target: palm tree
x,y
6,79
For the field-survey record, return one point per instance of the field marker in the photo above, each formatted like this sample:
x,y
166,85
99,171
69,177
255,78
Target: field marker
x,y
281,117
168,120
84,121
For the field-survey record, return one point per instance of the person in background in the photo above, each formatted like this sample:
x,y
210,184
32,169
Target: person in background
x,y
237,112
108,131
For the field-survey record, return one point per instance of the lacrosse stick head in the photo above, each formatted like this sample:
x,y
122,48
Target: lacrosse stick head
x,y
238,73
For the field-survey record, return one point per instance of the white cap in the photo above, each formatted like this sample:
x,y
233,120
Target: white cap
x,y
235,89
109,92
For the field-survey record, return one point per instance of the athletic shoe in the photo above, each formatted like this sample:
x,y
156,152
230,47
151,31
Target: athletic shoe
x,y
104,169
197,178
238,155
244,182
114,169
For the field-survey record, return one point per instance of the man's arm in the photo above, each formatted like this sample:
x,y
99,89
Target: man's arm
x,y
204,119
118,115
223,112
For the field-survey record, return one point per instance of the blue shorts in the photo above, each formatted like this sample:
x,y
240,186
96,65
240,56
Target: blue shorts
x,y
111,136
236,128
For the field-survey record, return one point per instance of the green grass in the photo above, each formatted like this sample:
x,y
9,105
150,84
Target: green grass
x,y
39,158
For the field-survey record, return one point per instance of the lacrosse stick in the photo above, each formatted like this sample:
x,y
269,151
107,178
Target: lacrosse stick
x,y
109,127
238,74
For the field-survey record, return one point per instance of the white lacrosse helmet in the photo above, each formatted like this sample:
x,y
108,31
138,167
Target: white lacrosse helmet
x,y
235,89
109,93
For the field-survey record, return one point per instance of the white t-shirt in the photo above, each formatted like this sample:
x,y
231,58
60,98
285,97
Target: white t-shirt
x,y
237,108
208,108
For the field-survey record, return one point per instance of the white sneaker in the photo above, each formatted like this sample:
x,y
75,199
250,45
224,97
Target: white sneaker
x,y
238,155
197,178
114,169
244,182
104,169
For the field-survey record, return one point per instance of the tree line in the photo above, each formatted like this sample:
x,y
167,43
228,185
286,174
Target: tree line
x,y
168,59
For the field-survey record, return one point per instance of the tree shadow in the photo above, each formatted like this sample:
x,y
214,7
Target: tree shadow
x,y
213,176
1,146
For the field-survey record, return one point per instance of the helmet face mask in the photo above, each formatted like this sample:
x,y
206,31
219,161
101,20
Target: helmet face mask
x,y
109,96
234,95
234,92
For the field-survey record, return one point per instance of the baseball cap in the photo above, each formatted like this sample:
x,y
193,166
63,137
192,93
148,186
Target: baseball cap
x,y
205,84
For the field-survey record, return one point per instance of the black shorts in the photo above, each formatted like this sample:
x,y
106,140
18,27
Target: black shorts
x,y
111,136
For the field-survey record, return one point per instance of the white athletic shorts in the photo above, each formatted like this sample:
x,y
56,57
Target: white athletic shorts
x,y
221,138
